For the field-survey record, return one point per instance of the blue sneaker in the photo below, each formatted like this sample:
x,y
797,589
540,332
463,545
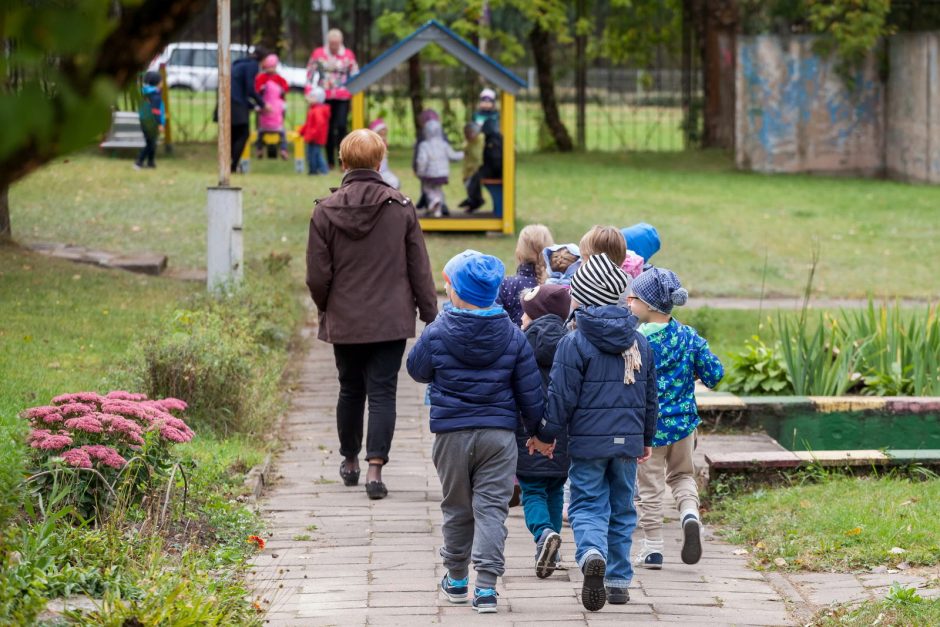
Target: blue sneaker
x,y
484,600
455,590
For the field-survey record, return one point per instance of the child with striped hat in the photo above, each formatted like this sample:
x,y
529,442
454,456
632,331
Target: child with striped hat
x,y
602,393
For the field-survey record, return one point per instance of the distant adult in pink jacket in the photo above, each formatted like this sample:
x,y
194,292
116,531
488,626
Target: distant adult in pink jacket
x,y
330,66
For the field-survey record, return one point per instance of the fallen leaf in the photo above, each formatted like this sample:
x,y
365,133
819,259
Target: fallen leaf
x,y
910,501
760,545
76,277
739,552
897,550
780,561
855,531
135,229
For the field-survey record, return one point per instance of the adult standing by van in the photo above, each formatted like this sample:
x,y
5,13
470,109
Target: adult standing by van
x,y
330,66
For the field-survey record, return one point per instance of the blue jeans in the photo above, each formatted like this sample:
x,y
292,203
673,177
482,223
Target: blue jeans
x,y
602,513
542,500
316,163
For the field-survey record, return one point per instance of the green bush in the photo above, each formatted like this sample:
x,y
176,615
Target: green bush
x,y
217,354
12,452
758,370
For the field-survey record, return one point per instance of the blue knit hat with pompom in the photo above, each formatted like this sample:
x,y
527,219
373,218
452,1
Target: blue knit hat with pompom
x,y
660,289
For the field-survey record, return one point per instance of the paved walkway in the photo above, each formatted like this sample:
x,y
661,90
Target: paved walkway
x,y
336,558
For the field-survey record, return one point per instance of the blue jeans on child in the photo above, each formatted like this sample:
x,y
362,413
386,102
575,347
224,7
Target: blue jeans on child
x,y
542,500
316,162
602,513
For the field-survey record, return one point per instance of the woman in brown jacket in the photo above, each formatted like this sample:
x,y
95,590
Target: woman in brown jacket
x,y
368,271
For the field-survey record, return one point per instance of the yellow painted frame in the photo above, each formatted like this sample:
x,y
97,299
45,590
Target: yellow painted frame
x,y
506,224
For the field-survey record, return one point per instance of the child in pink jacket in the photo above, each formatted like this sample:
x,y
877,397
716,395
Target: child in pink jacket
x,y
272,87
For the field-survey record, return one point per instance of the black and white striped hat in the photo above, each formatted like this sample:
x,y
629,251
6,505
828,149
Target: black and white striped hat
x,y
598,282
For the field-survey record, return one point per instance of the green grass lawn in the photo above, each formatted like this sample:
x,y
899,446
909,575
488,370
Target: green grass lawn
x,y
724,232
912,613
838,524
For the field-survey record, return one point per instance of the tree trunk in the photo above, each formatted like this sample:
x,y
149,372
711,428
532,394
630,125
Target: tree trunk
x,y
541,42
6,230
415,90
721,20
269,24
580,79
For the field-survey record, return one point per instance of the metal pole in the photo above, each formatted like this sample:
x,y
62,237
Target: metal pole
x,y
224,37
324,26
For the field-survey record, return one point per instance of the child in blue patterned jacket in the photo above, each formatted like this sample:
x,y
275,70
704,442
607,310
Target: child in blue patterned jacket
x,y
681,357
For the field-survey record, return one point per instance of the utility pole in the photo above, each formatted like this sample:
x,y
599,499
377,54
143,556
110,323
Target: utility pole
x,y
224,242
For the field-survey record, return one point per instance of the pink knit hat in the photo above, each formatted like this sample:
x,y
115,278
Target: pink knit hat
x,y
269,61
378,124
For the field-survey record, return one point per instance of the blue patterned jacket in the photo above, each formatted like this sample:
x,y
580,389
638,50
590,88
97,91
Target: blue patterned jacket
x,y
682,355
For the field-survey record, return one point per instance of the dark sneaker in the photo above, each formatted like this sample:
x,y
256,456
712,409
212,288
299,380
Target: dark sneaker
x,y
593,593
618,596
546,548
691,539
454,590
484,600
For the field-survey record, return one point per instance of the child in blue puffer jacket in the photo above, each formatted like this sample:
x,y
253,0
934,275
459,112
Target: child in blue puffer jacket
x,y
541,479
482,376
681,357
603,394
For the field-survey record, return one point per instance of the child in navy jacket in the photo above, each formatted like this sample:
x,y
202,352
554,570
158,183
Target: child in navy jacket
x,y
602,392
482,376
542,479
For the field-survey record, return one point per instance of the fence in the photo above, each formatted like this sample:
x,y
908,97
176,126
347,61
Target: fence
x,y
627,109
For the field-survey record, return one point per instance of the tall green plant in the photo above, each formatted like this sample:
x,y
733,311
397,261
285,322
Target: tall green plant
x,y
820,362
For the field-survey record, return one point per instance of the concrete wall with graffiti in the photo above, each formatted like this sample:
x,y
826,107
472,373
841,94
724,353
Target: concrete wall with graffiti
x,y
795,113
912,108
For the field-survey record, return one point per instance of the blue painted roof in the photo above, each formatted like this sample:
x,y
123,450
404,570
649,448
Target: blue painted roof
x,y
457,46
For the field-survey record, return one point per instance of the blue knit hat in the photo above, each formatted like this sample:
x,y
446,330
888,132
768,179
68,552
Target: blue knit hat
x,y
642,238
476,278
451,265
660,289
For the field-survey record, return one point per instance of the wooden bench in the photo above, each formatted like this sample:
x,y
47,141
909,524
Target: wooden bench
x,y
495,187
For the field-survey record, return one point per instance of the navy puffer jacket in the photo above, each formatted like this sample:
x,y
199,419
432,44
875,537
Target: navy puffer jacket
x,y
587,396
543,335
481,371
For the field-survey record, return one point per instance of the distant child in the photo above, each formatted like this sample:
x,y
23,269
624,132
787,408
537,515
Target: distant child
x,y
152,119
603,394
486,108
492,167
530,272
316,130
378,125
423,118
562,262
608,240
642,242
483,377
541,478
681,357
433,167
272,87
472,156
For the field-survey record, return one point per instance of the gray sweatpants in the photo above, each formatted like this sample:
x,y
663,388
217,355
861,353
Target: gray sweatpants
x,y
476,468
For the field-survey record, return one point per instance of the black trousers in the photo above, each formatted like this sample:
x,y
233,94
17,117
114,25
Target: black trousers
x,y
149,151
240,133
367,371
339,113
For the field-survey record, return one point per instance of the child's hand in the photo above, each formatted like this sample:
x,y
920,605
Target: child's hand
x,y
545,449
647,453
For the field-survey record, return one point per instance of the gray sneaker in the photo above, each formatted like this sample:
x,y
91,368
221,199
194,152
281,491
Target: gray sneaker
x,y
545,550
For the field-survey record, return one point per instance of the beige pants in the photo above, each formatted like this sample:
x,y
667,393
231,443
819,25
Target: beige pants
x,y
670,465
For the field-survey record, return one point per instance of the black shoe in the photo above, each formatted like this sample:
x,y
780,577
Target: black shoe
x,y
376,490
546,550
350,477
618,596
691,539
593,593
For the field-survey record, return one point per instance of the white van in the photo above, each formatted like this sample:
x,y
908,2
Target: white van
x,y
194,66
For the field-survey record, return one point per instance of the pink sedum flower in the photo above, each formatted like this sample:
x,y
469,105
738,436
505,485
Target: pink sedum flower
x,y
76,409
77,397
88,424
54,442
77,457
106,455
120,395
175,435
170,404
39,413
